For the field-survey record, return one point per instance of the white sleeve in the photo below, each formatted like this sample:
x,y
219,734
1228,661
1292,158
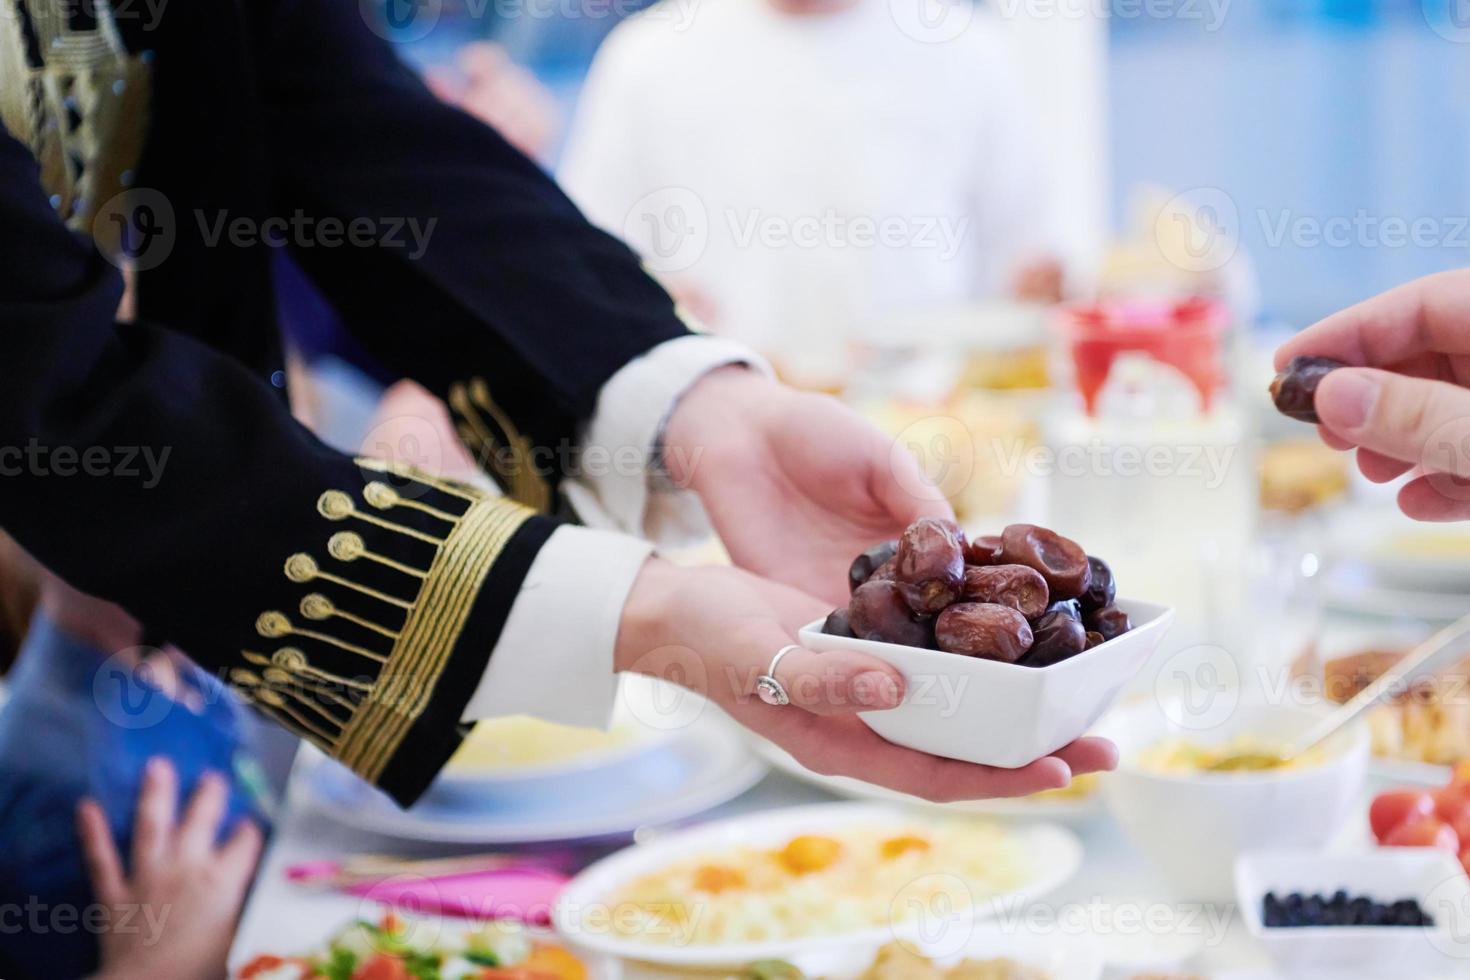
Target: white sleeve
x,y
615,486
554,659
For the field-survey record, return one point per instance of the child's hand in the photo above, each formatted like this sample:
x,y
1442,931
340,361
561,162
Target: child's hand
x,y
175,917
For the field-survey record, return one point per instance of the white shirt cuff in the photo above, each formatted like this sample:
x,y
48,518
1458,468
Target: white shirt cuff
x,y
554,659
612,488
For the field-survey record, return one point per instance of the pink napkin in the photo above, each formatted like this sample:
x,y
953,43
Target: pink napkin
x,y
523,894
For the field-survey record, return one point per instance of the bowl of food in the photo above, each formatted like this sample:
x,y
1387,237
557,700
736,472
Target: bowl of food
x,y
506,759
1011,645
1399,912
1191,816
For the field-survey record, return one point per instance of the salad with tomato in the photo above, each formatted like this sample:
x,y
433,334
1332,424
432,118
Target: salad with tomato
x,y
394,949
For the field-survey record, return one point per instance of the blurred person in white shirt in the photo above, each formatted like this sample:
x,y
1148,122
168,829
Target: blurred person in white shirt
x,y
798,171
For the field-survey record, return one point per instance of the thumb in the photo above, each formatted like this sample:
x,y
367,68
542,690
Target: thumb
x,y
1426,423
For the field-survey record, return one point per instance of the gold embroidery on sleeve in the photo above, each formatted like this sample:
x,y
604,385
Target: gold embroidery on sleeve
x,y
82,108
430,634
349,546
498,446
378,713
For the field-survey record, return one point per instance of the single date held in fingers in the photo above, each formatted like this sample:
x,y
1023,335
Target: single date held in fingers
x,y
1294,390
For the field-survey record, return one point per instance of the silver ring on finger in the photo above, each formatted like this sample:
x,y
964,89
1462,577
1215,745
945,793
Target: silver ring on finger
x,y
767,688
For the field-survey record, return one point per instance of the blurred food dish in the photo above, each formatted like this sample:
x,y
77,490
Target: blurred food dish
x,y
1181,755
514,745
1428,723
1300,475
775,884
983,952
423,948
988,954
1427,878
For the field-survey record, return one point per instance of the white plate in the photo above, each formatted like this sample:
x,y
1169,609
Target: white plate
x,y
581,912
704,766
1072,811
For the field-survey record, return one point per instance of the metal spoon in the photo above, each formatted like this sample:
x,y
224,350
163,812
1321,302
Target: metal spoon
x,y
1422,660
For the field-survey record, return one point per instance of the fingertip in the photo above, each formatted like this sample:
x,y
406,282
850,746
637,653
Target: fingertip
x,y
1108,755
250,832
87,813
159,769
1055,773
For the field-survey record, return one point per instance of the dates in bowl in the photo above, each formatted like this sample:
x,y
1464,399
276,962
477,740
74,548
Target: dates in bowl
x,y
1026,596
1011,644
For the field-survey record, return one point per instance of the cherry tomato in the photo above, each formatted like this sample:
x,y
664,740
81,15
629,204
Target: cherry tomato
x,y
1451,801
382,967
1424,832
1465,859
1461,775
261,964
1461,826
1391,810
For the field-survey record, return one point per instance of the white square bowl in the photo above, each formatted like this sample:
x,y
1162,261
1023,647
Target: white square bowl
x,y
1000,714
1431,876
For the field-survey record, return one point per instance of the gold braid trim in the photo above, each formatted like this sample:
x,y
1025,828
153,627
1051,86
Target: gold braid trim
x,y
429,635
82,110
487,431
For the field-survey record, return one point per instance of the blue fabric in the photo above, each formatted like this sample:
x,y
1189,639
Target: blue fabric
x,y
78,724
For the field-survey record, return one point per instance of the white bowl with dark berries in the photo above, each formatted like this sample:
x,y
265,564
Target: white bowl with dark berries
x,y
1011,645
